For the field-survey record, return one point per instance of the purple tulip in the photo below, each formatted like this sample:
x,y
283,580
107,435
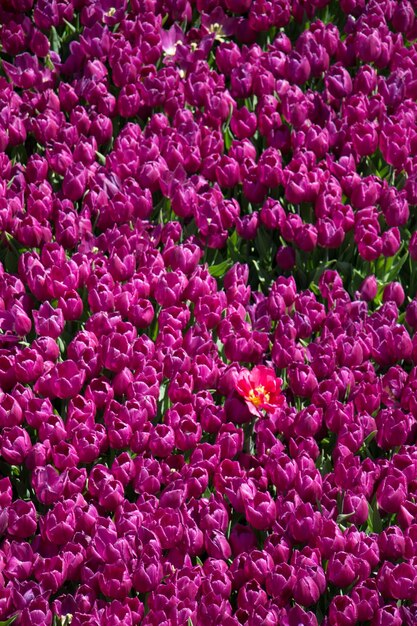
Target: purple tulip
x,y
49,322
342,611
37,612
22,521
260,512
15,444
309,585
114,580
302,380
388,614
391,492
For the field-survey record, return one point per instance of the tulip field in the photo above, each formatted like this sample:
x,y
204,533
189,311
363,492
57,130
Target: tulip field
x,y
208,312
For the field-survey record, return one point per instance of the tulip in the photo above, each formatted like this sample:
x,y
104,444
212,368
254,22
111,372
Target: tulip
x,y
302,380
260,388
309,585
261,511
114,580
49,322
342,612
391,493
22,522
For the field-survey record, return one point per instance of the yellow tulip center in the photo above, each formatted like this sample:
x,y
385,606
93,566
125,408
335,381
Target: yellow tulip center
x,y
258,395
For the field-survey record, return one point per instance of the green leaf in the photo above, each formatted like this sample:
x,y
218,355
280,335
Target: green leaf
x,y
324,463
263,243
233,247
401,180
357,279
11,262
9,621
48,63
396,266
342,516
55,40
154,329
162,392
61,344
62,620
383,172
374,518
228,138
233,239
70,26
101,158
369,438
220,269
